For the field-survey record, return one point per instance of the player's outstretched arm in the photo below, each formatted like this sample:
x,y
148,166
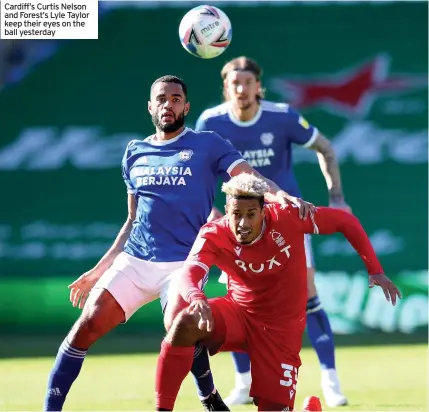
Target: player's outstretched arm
x,y
329,220
81,287
276,195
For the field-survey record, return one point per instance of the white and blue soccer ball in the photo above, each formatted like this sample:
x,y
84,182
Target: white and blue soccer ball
x,y
205,32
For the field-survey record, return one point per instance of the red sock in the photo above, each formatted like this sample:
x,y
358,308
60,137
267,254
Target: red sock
x,y
174,363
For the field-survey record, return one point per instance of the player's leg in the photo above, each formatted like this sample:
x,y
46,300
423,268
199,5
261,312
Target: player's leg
x,y
321,337
113,300
275,364
100,314
201,372
176,356
240,394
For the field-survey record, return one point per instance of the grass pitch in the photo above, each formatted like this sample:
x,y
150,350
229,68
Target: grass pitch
x,y
374,378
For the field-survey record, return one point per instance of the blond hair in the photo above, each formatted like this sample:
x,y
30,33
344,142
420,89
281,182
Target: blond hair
x,y
245,185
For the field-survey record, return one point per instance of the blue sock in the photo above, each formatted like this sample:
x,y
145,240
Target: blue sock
x,y
64,372
201,371
320,333
241,361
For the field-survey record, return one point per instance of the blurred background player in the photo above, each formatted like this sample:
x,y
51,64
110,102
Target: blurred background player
x,y
264,132
174,163
261,247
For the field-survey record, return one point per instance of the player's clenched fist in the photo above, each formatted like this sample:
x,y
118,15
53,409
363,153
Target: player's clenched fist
x,y
201,308
389,288
80,288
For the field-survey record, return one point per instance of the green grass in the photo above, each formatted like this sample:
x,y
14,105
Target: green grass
x,y
374,378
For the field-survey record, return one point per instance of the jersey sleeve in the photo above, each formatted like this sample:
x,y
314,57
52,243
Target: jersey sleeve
x,y
203,252
298,130
126,172
201,257
327,220
225,155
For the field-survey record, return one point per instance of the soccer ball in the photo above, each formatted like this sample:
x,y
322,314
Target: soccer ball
x,y
205,31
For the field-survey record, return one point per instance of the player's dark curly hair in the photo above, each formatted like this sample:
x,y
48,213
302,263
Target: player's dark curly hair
x,y
171,79
245,64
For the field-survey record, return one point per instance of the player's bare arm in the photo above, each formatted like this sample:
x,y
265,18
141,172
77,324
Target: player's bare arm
x,y
80,288
214,214
331,171
276,194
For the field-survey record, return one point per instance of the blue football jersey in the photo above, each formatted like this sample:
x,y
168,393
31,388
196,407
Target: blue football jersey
x,y
265,142
174,184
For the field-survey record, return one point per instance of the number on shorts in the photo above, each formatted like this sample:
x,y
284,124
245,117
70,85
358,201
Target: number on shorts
x,y
290,374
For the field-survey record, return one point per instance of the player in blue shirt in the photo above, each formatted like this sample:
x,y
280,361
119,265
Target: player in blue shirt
x,y
265,132
171,180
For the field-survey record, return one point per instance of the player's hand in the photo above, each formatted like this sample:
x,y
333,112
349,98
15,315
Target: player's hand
x,y
389,288
80,288
201,308
305,208
340,205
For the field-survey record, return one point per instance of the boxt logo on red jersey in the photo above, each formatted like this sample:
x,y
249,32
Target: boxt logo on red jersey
x,y
350,92
270,263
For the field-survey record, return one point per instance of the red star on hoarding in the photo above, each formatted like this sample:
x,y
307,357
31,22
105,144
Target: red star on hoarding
x,y
350,92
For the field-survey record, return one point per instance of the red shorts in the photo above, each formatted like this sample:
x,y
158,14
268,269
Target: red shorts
x,y
274,353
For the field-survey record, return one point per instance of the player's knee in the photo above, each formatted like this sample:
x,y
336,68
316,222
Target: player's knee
x,y
184,330
187,322
168,321
100,315
171,311
85,331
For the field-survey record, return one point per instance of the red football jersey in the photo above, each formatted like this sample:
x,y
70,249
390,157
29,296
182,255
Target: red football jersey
x,y
268,278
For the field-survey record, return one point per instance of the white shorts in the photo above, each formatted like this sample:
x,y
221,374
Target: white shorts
x,y
223,278
135,282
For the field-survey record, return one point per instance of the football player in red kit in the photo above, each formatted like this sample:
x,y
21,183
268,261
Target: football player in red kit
x,y
261,247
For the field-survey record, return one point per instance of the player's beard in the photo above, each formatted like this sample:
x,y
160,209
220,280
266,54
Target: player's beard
x,y
244,105
169,127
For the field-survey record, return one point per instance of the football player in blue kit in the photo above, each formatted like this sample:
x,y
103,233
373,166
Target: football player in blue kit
x,y
171,179
265,132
